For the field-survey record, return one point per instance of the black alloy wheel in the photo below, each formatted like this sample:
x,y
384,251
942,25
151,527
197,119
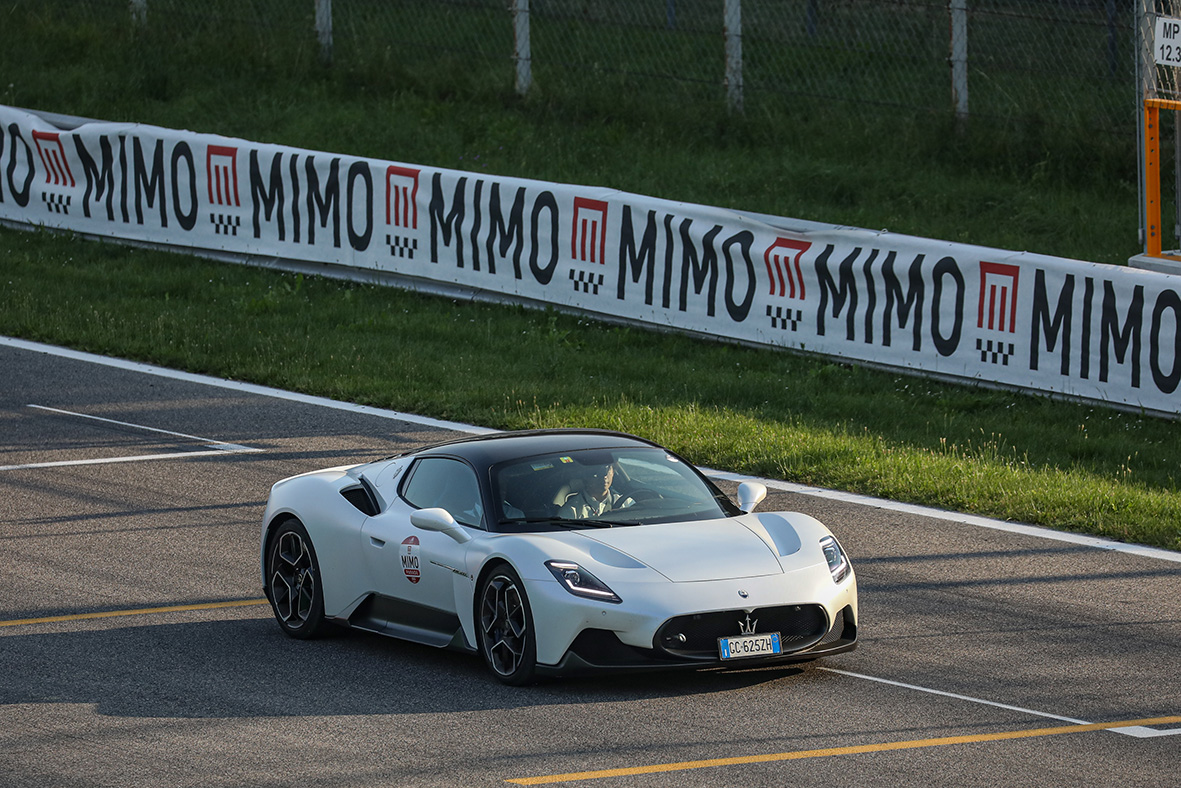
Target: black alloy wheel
x,y
293,581
505,627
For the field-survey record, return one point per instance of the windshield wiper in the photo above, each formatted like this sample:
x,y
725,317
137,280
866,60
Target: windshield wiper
x,y
565,522
601,523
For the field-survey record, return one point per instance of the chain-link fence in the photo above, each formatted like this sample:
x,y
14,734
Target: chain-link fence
x,y
1159,36
1063,61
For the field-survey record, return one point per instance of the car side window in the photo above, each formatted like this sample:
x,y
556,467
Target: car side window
x,y
446,484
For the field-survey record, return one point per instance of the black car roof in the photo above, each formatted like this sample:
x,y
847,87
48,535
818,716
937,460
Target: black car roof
x,y
498,446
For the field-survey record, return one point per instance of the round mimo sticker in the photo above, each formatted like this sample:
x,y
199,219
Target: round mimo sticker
x,y
409,555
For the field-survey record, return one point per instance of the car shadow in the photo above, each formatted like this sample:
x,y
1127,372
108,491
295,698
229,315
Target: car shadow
x,y
248,668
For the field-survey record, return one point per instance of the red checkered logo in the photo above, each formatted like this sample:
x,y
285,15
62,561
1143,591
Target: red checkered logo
x,y
787,282
221,173
588,244
997,312
401,210
58,177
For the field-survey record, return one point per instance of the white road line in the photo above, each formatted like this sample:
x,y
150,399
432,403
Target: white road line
x,y
234,385
819,492
136,458
208,441
1137,731
219,447
930,691
1141,732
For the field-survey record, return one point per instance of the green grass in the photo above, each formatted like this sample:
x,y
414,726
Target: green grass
x,y
1006,184
763,412
1017,181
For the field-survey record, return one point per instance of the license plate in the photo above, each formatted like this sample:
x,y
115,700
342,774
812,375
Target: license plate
x,y
760,645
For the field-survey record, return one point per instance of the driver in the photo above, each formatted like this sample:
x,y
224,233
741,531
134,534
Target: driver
x,y
596,496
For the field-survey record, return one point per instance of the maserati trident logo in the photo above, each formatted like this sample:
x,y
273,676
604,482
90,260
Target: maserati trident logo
x,y
747,627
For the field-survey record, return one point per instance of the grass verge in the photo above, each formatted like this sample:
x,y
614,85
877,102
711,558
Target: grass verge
x,y
763,412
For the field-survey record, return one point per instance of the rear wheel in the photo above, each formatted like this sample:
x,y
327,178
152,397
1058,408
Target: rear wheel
x,y
505,627
293,581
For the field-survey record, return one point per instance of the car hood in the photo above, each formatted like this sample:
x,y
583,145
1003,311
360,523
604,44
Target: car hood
x,y
692,552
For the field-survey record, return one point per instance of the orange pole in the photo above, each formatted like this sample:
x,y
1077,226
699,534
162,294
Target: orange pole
x,y
1152,179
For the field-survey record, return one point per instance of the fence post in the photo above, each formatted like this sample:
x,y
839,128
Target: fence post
x,y
1113,33
522,54
1145,87
812,18
324,29
139,11
732,29
959,57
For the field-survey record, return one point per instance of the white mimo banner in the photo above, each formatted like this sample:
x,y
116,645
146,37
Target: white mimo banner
x,y
1033,322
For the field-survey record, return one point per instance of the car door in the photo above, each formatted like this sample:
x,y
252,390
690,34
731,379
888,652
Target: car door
x,y
420,568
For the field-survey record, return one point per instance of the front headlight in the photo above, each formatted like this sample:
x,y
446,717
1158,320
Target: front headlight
x,y
580,582
838,564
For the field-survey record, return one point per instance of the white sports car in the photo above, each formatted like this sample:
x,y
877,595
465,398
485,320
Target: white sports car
x,y
554,552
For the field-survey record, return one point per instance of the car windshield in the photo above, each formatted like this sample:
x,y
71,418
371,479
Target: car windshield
x,y
596,488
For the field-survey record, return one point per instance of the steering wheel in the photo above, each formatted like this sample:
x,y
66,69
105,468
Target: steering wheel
x,y
643,494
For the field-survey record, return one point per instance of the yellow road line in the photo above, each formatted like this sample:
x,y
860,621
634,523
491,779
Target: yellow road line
x,y
864,748
140,612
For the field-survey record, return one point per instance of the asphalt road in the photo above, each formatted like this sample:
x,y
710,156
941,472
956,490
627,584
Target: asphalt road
x,y
987,658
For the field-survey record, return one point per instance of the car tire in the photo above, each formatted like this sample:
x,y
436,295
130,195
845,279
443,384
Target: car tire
x,y
293,582
504,626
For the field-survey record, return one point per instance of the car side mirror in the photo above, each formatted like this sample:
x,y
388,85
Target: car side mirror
x,y
441,521
750,494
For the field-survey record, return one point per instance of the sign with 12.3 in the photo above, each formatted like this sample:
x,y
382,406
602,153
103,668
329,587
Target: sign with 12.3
x,y
1167,43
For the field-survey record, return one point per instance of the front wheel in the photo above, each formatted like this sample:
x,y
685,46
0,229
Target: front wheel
x,y
293,582
505,627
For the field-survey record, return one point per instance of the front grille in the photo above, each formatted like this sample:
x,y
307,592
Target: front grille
x,y
696,636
